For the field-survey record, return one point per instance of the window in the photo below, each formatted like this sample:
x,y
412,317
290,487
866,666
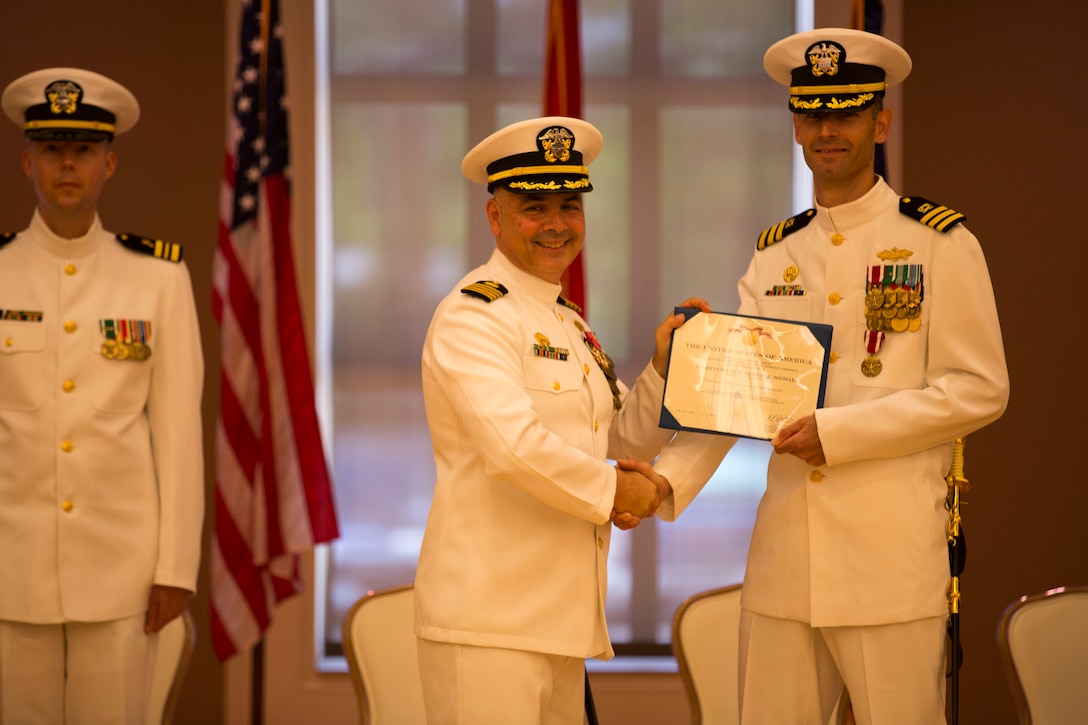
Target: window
x,y
698,158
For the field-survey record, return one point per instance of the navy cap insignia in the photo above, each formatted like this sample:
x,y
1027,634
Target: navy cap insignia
x,y
169,251
784,228
63,96
823,58
556,143
486,290
929,213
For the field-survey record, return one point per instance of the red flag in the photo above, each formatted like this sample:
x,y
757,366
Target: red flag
x,y
273,497
563,97
868,15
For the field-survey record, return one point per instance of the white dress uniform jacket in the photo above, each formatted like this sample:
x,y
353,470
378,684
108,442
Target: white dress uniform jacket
x,y
101,491
521,420
861,540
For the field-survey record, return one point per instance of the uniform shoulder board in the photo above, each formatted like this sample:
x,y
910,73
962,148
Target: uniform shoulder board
x,y
169,251
783,229
567,303
6,237
486,290
932,215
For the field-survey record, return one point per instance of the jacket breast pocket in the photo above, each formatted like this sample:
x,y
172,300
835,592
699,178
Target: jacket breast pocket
x,y
22,365
120,382
553,386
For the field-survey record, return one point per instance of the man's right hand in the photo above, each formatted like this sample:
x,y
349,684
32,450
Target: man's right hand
x,y
635,494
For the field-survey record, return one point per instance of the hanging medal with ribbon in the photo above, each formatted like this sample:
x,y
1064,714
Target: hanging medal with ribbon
x,y
871,365
603,361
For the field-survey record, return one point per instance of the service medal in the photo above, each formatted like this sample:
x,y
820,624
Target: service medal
x,y
604,362
871,365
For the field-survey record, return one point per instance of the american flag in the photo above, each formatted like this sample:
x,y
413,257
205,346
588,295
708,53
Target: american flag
x,y
273,497
563,97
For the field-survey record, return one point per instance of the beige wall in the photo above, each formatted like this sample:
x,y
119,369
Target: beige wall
x,y
990,126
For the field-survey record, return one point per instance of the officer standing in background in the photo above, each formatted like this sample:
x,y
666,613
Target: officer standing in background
x,y
101,375
848,572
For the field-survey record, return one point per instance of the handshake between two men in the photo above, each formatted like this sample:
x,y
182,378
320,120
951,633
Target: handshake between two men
x,y
640,489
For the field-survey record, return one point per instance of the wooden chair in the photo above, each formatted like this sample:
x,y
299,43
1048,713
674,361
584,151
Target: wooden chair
x,y
175,651
380,647
1043,639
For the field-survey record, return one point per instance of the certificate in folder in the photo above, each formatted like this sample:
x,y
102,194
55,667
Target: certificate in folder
x,y
743,376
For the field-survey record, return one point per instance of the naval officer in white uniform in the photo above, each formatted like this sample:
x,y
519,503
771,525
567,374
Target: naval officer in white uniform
x,y
101,373
524,408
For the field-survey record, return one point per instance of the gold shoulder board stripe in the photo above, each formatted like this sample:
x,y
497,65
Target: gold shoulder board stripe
x,y
932,215
169,251
785,228
564,301
486,290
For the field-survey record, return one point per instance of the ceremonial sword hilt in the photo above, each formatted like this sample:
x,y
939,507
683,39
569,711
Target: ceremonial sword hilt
x,y
957,484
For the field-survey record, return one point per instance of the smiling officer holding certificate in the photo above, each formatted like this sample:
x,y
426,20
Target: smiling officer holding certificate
x,y
848,566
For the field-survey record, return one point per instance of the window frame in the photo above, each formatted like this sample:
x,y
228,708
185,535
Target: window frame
x,y
640,85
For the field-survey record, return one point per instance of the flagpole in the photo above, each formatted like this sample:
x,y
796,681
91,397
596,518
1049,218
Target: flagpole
x,y
563,97
256,693
257,684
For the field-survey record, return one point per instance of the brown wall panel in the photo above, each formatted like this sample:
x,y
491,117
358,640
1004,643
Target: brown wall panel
x,y
994,127
171,56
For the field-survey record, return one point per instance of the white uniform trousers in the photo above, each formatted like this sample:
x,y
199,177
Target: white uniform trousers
x,y
791,672
469,685
109,667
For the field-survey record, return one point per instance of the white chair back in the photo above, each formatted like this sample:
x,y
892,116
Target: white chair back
x,y
380,647
704,640
1043,640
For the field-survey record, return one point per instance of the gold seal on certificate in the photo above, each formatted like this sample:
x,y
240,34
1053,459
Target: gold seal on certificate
x,y
743,376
